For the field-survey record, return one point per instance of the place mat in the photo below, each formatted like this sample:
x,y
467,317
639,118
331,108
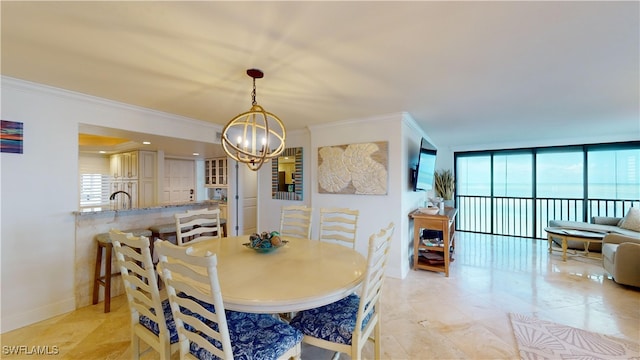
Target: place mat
x,y
539,339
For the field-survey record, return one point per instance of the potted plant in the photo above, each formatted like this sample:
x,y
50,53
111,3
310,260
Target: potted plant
x,y
445,185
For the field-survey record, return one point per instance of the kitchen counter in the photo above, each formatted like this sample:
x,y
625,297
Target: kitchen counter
x,y
155,207
91,223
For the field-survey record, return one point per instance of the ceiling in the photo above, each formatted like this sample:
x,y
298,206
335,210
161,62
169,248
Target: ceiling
x,y
469,73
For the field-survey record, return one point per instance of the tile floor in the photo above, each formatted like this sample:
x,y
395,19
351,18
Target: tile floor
x,y
426,315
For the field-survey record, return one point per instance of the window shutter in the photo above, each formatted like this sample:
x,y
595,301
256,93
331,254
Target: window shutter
x,y
95,181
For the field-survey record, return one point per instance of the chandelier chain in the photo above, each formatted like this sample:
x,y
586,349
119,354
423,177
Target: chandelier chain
x,y
253,93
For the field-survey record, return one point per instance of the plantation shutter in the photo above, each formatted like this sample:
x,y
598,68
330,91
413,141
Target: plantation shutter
x,y
95,181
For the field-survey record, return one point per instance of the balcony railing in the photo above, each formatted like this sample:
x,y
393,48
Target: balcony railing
x,y
527,217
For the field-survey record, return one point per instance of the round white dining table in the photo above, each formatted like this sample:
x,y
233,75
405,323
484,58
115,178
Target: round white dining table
x,y
303,274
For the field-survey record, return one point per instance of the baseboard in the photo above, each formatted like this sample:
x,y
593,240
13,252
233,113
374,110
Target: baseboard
x,y
10,322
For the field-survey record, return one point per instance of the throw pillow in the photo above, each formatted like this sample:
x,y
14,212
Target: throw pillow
x,y
631,221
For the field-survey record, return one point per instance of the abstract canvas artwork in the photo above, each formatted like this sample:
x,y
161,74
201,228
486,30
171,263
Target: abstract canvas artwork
x,y
353,169
11,136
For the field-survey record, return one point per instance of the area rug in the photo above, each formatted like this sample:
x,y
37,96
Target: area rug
x,y
539,339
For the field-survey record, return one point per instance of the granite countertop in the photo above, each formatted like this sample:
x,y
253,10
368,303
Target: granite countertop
x,y
155,207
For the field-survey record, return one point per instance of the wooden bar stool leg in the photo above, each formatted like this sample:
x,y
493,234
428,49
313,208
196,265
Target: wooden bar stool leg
x,y
104,242
96,276
107,279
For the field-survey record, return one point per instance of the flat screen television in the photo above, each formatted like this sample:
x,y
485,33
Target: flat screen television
x,y
426,167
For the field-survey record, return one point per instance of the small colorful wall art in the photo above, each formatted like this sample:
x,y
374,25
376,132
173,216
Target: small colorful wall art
x,y
11,136
353,169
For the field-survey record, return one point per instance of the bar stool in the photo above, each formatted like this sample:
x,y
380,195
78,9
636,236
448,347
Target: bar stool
x,y
165,230
223,225
104,242
161,232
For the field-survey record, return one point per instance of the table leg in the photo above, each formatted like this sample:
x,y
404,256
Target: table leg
x,y
586,248
564,248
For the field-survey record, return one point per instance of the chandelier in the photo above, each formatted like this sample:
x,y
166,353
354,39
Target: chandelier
x,y
255,136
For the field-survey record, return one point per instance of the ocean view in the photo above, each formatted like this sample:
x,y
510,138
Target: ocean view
x,y
517,214
628,191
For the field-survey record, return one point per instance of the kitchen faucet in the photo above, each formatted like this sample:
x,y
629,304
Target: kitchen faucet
x,y
113,196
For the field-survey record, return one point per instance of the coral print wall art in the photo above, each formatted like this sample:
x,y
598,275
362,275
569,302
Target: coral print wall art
x,y
353,169
10,137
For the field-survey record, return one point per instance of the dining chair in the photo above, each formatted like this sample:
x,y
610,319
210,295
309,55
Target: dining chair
x,y
206,330
345,325
151,317
295,221
339,225
196,223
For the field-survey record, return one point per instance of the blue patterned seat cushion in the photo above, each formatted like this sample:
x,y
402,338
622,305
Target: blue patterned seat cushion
x,y
334,322
153,326
253,336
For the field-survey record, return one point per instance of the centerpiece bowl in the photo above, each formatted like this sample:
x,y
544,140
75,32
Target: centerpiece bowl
x,y
265,242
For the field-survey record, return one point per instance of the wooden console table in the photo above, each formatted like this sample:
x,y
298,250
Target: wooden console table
x,y
443,221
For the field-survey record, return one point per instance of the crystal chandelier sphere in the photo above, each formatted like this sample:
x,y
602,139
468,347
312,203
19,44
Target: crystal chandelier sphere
x,y
254,137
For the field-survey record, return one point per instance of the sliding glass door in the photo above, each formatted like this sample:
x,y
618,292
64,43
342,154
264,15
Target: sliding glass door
x,y
517,191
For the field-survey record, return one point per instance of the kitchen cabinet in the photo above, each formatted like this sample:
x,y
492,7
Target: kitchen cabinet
x,y
121,200
147,174
146,169
125,165
135,172
215,172
115,166
146,193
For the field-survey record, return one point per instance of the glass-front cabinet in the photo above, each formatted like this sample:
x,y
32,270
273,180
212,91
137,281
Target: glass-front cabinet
x,y
215,172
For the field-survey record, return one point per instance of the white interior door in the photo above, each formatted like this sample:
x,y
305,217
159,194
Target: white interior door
x,y
179,181
248,193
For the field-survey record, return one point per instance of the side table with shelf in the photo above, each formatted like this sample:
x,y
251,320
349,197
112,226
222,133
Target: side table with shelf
x,y
443,221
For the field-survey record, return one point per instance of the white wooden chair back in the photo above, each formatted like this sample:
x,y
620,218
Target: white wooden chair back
x,y
377,258
295,221
197,276
339,225
195,223
141,286
325,326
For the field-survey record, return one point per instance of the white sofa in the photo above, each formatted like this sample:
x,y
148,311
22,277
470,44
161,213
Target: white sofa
x,y
604,224
620,247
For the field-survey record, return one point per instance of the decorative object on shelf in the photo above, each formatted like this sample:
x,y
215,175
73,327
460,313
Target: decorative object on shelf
x,y
431,210
353,169
256,136
444,184
433,242
265,242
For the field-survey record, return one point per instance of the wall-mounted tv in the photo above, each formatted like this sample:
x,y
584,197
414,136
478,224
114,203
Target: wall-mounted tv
x,y
426,167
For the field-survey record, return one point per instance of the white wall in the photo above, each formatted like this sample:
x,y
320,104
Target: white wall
x,y
376,211
39,191
412,136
